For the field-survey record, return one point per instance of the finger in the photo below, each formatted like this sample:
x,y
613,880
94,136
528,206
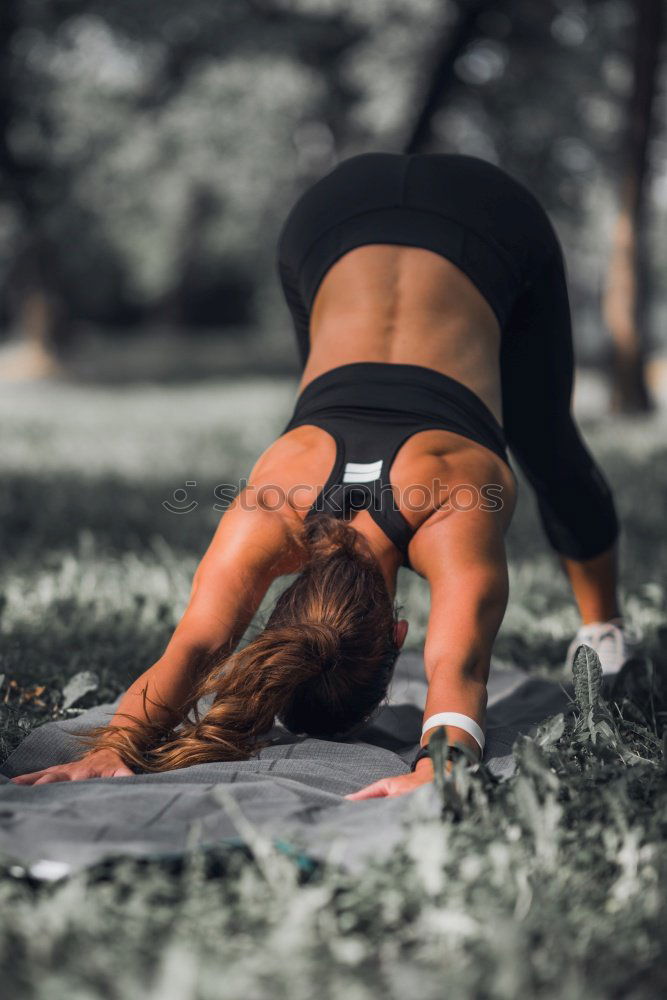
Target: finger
x,y
27,779
48,779
375,791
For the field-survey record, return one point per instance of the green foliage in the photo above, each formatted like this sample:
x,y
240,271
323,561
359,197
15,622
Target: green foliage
x,y
587,678
170,141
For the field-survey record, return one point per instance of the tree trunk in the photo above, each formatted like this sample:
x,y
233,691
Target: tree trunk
x,y
38,318
37,313
625,292
452,45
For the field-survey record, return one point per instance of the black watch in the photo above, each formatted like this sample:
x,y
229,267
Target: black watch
x,y
452,753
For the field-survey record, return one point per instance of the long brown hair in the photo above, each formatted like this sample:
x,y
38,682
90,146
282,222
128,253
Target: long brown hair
x,y
322,664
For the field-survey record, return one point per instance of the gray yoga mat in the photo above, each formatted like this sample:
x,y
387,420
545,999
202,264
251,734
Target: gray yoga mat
x,y
291,792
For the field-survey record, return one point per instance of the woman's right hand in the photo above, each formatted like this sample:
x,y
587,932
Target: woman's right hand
x,y
96,764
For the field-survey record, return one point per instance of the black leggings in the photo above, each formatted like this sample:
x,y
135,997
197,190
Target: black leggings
x,y
495,230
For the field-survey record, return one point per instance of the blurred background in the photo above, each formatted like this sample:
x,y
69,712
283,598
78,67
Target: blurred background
x,y
150,151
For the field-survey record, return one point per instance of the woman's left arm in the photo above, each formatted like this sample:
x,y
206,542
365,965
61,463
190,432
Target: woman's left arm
x,y
462,555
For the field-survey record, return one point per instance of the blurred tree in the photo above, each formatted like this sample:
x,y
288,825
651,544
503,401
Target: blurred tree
x,y
35,308
453,42
141,149
159,145
149,151
542,89
626,291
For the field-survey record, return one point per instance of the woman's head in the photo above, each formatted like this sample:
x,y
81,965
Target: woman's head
x,y
344,630
322,664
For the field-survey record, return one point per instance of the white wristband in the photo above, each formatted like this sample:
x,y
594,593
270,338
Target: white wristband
x,y
460,721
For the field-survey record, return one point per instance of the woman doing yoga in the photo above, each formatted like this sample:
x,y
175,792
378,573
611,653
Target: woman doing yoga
x,y
429,298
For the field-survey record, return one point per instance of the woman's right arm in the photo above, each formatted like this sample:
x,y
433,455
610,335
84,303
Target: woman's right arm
x,y
250,548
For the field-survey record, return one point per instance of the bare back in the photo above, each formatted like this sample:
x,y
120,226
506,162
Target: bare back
x,y
406,305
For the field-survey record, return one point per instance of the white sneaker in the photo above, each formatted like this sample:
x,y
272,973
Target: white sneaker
x,y
614,643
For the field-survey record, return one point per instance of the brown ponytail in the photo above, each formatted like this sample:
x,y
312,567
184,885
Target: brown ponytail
x,y
322,664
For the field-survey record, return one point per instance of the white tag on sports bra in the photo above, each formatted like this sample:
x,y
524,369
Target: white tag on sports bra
x,y
362,472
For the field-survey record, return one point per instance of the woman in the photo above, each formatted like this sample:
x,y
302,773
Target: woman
x,y
429,299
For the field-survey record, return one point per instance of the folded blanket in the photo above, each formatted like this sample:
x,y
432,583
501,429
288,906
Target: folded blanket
x,y
291,792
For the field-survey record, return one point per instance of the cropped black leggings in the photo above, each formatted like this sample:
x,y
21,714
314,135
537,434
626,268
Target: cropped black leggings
x,y
574,500
495,230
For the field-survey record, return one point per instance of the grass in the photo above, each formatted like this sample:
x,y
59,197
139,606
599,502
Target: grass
x,y
549,885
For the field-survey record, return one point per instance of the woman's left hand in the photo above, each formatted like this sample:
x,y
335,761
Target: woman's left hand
x,y
400,785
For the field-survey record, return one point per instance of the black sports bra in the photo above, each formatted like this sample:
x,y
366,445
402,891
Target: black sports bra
x,y
371,408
